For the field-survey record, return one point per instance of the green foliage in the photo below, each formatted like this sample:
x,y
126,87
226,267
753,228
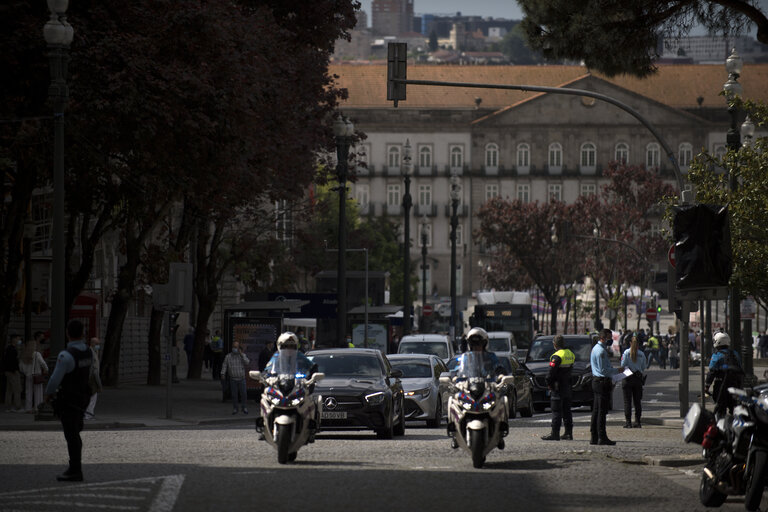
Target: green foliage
x,y
747,205
515,47
621,36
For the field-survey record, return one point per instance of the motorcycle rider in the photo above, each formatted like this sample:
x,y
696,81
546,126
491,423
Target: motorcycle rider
x,y
477,341
559,384
725,371
289,341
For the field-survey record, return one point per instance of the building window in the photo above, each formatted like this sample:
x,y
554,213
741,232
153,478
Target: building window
x,y
363,197
555,192
686,154
652,155
524,193
42,217
393,195
622,152
283,221
588,189
363,160
393,158
523,157
588,157
425,158
719,151
555,160
425,195
425,229
492,156
491,191
459,237
457,158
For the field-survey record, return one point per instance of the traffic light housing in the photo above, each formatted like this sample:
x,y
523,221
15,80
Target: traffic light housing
x,y
397,68
703,259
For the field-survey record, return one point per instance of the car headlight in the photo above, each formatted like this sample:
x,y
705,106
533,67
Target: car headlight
x,y
418,393
375,398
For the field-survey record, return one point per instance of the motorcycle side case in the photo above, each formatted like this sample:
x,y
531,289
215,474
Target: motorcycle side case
x,y
696,422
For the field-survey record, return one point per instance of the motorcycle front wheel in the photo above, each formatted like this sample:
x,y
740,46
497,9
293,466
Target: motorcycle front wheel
x,y
476,446
708,495
756,481
283,442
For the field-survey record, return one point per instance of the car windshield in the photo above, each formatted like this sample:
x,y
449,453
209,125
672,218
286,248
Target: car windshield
x,y
438,348
499,345
542,349
347,365
413,369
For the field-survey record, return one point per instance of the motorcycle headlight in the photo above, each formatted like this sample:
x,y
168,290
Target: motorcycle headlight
x,y
466,401
297,397
418,393
375,398
488,401
274,395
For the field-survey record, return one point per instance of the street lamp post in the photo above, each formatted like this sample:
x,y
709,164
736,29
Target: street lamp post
x,y
596,234
343,130
29,234
58,36
733,138
455,195
406,172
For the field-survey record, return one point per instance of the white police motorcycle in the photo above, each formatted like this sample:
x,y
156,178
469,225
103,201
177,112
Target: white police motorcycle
x,y
290,412
478,408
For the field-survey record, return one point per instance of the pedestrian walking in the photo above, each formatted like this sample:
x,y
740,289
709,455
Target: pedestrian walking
x,y
69,384
33,366
653,349
632,387
236,363
94,379
559,385
602,385
12,373
762,344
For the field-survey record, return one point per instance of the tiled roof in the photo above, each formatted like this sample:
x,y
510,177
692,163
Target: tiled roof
x,y
676,86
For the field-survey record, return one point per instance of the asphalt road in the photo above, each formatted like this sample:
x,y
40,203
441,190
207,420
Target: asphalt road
x,y
228,468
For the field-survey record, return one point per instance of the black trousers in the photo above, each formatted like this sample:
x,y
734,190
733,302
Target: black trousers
x,y
601,388
72,423
633,393
561,411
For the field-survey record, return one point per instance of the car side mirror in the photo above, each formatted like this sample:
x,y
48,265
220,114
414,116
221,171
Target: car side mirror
x,y
396,373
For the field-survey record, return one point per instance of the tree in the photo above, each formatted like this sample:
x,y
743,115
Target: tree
x,y
621,36
517,50
749,216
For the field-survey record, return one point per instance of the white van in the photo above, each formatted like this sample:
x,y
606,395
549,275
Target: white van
x,y
437,344
502,342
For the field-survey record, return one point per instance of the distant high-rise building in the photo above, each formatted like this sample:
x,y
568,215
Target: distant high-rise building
x,y
392,17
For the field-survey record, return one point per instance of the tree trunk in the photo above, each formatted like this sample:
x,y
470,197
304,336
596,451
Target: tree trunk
x,y
553,317
154,371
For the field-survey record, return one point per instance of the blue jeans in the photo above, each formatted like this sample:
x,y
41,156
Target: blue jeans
x,y
237,387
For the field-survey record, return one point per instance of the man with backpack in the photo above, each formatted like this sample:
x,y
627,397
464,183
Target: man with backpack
x,y
724,371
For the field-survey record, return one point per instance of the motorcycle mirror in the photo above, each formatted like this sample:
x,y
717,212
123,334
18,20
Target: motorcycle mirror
x,y
507,379
317,377
255,375
445,378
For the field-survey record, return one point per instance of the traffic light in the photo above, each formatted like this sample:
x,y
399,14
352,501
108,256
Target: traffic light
x,y
397,68
702,247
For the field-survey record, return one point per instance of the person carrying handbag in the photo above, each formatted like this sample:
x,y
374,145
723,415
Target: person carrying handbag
x,y
33,366
634,359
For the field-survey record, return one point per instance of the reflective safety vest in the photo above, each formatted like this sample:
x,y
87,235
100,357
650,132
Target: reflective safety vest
x,y
567,358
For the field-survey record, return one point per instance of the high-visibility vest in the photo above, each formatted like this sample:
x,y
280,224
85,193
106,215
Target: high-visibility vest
x,y
567,358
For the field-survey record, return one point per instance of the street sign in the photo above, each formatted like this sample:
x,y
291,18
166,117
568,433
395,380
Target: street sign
x,y
650,314
671,256
426,310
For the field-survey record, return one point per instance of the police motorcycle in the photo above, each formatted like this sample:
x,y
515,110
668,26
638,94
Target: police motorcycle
x,y
290,412
735,447
477,408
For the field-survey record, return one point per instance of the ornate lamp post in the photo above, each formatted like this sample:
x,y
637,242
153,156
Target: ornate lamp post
x,y
733,138
58,35
455,196
407,168
29,235
424,224
343,130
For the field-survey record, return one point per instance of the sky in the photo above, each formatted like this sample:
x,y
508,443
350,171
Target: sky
x,y
497,8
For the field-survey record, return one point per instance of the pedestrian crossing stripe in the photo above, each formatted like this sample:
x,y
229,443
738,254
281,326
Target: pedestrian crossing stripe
x,y
153,494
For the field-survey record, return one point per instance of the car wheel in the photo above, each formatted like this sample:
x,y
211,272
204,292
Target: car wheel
x,y
435,421
513,405
399,430
527,411
387,432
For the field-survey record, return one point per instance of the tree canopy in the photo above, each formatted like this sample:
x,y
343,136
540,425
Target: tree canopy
x,y
621,36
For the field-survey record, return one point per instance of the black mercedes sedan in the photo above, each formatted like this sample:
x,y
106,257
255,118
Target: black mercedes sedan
x,y
537,361
361,390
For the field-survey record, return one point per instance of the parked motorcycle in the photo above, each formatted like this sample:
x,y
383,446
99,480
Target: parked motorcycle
x,y
477,408
290,412
735,447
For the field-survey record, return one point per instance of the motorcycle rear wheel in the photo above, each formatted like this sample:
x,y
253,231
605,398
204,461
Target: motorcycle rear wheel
x,y
476,446
756,481
283,442
708,495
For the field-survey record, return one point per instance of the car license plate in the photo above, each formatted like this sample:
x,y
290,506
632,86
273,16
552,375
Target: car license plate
x,y
333,415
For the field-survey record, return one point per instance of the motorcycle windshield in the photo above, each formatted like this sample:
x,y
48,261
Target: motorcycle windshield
x,y
475,364
286,363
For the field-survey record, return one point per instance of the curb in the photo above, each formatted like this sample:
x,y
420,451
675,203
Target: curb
x,y
673,462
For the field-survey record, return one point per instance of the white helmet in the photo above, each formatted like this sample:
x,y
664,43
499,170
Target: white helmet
x,y
721,339
287,340
477,334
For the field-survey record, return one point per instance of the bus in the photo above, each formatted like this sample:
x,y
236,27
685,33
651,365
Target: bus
x,y
506,311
